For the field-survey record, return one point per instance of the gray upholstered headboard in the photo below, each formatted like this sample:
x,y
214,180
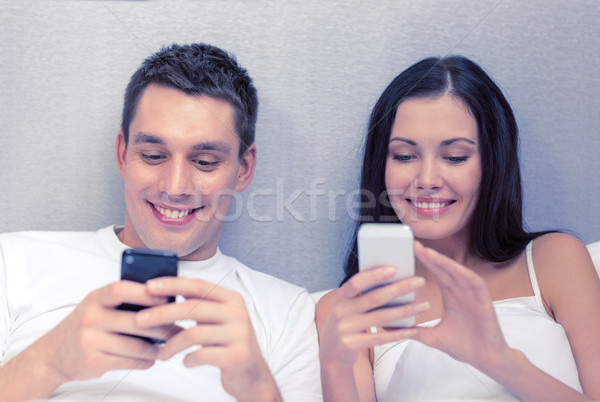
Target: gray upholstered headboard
x,y
318,67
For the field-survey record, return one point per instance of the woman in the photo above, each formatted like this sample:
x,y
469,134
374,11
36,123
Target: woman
x,y
442,148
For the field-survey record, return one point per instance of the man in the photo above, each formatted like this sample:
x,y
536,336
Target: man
x,y
186,145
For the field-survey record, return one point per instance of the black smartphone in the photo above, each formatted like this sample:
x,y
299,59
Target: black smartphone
x,y
141,265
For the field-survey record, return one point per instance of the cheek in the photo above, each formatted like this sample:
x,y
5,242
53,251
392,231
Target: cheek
x,y
469,183
397,180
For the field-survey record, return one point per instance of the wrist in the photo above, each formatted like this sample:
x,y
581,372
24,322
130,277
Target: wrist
x,y
506,365
262,392
28,376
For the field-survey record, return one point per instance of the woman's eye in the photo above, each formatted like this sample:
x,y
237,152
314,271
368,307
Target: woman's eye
x,y
457,159
403,158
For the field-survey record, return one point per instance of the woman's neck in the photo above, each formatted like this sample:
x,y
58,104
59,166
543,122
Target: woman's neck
x,y
456,247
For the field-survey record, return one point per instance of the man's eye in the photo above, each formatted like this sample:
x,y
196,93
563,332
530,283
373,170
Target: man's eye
x,y
205,164
152,158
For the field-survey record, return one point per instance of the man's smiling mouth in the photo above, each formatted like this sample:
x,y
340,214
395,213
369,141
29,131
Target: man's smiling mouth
x,y
174,213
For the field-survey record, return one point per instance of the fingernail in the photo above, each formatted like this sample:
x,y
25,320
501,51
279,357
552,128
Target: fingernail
x,y
410,332
421,307
143,316
390,271
417,283
162,355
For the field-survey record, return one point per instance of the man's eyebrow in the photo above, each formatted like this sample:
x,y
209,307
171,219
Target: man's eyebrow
x,y
212,146
144,138
219,146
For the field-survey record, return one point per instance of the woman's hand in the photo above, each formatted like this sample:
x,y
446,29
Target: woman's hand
x,y
353,311
469,330
344,318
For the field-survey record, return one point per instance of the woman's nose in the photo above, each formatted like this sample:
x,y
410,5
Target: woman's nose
x,y
428,176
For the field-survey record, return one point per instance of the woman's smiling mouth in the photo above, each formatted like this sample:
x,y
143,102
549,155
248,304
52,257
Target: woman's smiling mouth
x,y
431,204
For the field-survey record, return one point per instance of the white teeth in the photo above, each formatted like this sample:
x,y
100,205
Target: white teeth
x,y
430,205
170,213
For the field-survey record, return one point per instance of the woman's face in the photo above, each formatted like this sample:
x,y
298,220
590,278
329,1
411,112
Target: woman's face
x,y
433,167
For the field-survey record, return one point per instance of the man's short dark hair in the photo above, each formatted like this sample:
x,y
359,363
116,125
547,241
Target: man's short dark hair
x,y
197,69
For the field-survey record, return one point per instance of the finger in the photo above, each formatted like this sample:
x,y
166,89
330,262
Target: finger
x,y
163,332
220,357
388,293
365,340
364,280
201,311
120,345
189,288
201,335
437,266
127,363
381,317
118,321
116,293
451,275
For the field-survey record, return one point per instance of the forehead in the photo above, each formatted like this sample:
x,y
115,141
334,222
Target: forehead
x,y
422,118
177,117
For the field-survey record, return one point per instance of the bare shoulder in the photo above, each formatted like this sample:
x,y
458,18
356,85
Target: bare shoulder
x,y
570,285
324,307
556,252
564,268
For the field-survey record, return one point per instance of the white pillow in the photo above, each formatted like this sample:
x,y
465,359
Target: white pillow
x,y
594,249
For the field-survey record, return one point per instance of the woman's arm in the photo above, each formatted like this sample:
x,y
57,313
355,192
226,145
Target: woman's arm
x,y
342,380
570,287
343,319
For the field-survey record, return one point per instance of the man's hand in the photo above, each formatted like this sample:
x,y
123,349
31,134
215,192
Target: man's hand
x,y
224,332
86,344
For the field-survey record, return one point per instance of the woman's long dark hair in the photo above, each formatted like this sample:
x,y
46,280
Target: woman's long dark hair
x,y
497,232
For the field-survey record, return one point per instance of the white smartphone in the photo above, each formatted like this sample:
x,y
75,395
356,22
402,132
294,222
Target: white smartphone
x,y
388,244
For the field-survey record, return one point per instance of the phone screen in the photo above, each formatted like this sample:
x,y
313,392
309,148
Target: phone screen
x,y
140,265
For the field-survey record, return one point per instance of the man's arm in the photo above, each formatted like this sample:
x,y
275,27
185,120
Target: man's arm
x,y
86,344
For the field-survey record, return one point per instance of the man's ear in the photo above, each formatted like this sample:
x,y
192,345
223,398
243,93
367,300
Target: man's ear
x,y
121,153
246,170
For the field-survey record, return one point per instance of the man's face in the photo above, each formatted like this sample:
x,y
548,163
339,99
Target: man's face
x,y
180,169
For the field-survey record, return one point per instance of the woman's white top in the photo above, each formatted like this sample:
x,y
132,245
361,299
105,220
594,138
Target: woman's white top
x,y
409,371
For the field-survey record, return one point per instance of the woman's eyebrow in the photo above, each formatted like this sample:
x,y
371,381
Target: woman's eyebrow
x,y
409,142
451,141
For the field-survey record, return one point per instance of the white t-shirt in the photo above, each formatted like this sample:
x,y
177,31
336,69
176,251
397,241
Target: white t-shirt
x,y
44,275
